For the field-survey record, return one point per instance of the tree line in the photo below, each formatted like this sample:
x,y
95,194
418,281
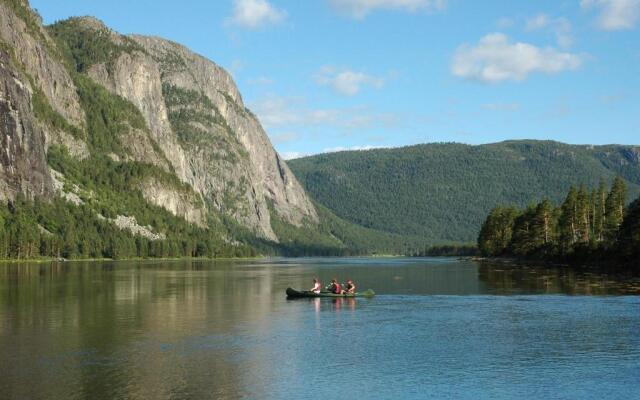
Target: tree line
x,y
31,229
589,227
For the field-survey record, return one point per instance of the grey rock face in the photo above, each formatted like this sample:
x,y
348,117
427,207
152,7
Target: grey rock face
x,y
23,166
232,163
34,53
182,204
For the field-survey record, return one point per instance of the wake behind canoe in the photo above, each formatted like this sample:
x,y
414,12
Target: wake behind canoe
x,y
296,294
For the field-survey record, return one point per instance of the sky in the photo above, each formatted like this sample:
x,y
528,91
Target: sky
x,y
328,75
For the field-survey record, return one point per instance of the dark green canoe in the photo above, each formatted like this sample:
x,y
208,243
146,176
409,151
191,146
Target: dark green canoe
x,y
296,294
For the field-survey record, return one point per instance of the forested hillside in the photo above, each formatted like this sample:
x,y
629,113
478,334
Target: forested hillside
x,y
442,192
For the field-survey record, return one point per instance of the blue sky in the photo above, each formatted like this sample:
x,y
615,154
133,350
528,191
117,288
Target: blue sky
x,y
339,74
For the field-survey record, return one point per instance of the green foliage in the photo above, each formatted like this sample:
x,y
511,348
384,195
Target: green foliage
x,y
59,229
614,209
108,116
194,118
629,237
31,19
497,230
334,236
45,113
567,233
85,46
442,192
110,188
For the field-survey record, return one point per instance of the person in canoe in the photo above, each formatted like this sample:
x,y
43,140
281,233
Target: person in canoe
x,y
317,286
349,288
335,287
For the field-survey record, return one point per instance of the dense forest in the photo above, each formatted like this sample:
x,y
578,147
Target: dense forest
x,y
590,227
442,192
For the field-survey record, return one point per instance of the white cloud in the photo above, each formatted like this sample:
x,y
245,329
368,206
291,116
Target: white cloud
x,y
292,114
496,59
615,14
346,82
538,22
254,14
561,27
360,8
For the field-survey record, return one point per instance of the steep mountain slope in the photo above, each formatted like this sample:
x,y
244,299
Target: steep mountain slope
x,y
442,192
136,138
195,115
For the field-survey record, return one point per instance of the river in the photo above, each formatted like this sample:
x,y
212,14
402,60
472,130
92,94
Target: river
x,y
437,328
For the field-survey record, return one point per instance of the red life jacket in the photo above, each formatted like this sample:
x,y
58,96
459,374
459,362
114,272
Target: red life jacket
x,y
337,289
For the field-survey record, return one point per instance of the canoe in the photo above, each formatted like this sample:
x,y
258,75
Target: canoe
x,y
296,294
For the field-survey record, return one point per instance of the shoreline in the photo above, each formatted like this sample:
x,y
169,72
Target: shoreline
x,y
76,260
537,263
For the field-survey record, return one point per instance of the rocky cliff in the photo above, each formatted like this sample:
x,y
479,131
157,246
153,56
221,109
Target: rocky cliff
x,y
79,85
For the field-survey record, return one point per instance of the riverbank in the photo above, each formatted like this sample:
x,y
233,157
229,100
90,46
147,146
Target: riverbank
x,y
76,260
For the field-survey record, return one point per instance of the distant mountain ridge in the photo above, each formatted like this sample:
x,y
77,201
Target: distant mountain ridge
x,y
443,191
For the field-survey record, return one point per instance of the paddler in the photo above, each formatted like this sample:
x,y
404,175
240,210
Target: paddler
x,y
335,287
317,286
349,288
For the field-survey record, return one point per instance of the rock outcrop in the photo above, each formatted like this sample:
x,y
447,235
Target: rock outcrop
x,y
23,166
36,53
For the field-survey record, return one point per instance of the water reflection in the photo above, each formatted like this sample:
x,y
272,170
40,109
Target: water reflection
x,y
194,329
522,279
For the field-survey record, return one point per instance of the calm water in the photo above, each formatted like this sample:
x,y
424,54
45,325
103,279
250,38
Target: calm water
x,y
438,328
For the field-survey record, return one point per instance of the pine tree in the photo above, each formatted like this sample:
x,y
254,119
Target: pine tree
x,y
599,218
543,226
593,198
614,209
582,215
568,223
525,239
629,237
496,231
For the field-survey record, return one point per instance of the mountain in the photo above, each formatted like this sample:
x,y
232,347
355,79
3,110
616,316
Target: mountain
x,y
126,145
442,192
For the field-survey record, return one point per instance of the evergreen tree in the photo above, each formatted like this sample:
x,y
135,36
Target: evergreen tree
x,y
526,239
544,225
496,231
582,214
614,209
593,198
629,238
568,223
599,218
